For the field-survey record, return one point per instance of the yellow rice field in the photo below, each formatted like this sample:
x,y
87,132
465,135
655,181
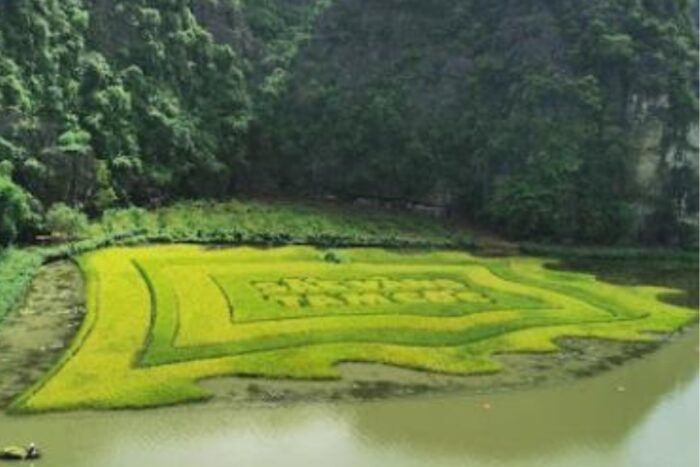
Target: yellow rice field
x,y
162,318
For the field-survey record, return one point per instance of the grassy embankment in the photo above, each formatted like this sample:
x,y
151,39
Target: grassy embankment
x,y
17,268
170,316
270,223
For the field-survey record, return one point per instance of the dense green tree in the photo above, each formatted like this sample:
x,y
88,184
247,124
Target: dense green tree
x,y
164,114
64,221
529,119
528,116
15,211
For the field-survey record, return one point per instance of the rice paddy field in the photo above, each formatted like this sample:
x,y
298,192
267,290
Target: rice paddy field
x,y
160,319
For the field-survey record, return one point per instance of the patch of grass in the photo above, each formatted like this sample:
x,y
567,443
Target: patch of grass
x,y
17,268
281,223
605,253
162,318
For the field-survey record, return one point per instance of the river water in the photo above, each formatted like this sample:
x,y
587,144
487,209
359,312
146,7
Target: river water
x,y
644,413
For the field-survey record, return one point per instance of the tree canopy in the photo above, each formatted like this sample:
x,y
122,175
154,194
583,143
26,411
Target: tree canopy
x,y
535,118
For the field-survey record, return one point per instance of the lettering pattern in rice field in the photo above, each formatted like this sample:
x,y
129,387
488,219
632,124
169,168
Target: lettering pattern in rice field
x,y
162,318
315,293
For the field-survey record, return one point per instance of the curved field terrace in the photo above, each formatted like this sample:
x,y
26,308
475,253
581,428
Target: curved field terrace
x,y
161,319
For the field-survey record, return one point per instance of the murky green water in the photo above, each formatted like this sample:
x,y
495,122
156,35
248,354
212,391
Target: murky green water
x,y
642,414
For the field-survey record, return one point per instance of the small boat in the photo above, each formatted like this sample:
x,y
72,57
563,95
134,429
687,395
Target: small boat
x,y
17,453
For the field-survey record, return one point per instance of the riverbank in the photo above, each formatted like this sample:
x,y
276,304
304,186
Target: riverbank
x,y
653,422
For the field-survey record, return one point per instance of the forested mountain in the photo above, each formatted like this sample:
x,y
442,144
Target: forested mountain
x,y
545,119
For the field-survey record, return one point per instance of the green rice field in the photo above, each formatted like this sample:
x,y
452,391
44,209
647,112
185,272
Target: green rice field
x,y
162,318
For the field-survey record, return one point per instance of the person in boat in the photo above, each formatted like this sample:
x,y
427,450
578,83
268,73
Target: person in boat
x,y
15,453
33,451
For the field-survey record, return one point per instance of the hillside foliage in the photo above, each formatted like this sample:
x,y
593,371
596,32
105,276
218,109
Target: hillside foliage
x,y
529,117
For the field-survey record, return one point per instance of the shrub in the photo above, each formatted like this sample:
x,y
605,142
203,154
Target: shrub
x,y
15,212
63,221
17,268
334,257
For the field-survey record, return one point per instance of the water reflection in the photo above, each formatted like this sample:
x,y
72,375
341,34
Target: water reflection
x,y
600,411
645,413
